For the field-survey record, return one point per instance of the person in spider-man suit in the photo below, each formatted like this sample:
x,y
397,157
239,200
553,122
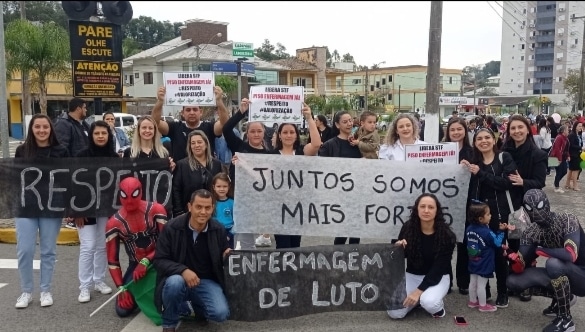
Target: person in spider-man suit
x,y
137,224
560,238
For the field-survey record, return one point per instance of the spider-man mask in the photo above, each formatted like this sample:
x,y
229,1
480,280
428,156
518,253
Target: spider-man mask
x,y
130,194
537,206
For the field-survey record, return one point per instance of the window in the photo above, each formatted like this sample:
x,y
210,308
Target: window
x,y
127,121
302,82
136,75
389,78
522,58
356,81
529,80
522,46
576,41
383,81
378,84
524,11
148,78
185,66
372,87
389,97
450,79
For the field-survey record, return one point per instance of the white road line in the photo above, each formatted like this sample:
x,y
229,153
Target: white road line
x,y
13,264
2,285
141,323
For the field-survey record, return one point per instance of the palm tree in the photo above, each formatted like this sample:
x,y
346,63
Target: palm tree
x,y
42,50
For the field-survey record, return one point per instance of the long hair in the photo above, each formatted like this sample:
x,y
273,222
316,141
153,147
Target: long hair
x,y
193,163
477,155
297,142
157,145
323,120
444,236
334,130
574,129
30,144
109,149
460,121
393,137
529,137
543,123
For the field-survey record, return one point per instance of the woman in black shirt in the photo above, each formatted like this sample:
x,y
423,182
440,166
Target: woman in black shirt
x,y
339,146
288,143
41,142
428,247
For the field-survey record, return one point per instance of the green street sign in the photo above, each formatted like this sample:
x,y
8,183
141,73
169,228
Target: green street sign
x,y
243,50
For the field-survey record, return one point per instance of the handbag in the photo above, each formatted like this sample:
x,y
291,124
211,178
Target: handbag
x,y
519,218
553,162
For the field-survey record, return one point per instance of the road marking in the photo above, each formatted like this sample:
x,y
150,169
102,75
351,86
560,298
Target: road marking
x,y
2,285
140,323
13,264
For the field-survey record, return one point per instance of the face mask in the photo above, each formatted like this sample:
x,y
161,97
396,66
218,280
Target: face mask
x,y
130,194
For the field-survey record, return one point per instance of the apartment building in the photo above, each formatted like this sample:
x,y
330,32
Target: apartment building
x,y
540,44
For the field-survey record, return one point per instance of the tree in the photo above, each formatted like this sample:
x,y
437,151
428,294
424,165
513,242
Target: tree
x,y
487,91
130,47
228,84
148,32
571,84
491,68
40,50
269,52
336,103
316,103
348,58
36,11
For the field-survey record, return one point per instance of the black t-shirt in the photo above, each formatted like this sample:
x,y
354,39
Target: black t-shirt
x,y
178,132
337,147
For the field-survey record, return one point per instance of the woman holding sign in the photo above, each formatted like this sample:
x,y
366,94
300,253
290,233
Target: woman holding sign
x,y
93,262
428,244
255,144
41,142
288,143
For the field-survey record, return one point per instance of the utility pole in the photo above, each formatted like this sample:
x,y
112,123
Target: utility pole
x,y
367,88
3,101
433,73
25,91
582,70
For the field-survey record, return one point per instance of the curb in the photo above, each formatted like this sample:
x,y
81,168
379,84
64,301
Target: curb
x,y
66,236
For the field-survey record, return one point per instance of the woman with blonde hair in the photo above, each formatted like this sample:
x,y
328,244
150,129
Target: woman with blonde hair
x,y
147,143
194,172
404,130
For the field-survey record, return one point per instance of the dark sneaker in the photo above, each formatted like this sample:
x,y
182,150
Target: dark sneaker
x,y
502,301
463,291
553,308
439,314
560,324
525,296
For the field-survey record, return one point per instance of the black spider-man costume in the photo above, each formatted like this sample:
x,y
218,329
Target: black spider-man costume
x,y
137,224
560,238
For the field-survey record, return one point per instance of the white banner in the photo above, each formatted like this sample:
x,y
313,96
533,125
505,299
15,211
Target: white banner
x,y
320,196
276,103
189,89
441,153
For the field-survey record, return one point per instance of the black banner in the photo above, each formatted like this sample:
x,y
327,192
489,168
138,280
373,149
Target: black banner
x,y
96,52
84,187
286,283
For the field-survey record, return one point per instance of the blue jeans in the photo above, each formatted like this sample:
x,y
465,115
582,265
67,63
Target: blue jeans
x,y
560,172
208,300
26,237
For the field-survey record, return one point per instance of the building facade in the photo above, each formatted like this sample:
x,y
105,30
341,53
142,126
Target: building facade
x,y
400,89
540,44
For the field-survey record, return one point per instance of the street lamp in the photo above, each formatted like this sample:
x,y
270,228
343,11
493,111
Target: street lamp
x,y
199,49
368,84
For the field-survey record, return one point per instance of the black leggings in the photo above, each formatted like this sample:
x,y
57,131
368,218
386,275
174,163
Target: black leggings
x,y
287,241
542,276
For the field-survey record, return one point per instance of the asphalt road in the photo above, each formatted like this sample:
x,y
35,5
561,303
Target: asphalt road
x,y
69,315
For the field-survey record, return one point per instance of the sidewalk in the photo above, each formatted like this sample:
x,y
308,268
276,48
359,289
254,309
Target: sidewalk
x,y
8,233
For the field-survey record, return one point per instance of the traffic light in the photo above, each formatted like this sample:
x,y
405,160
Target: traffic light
x,y
117,12
79,10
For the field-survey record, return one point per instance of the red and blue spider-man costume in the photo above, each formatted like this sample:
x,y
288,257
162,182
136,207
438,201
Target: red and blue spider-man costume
x,y
137,224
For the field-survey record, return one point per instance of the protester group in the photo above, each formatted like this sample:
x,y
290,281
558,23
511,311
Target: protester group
x,y
187,242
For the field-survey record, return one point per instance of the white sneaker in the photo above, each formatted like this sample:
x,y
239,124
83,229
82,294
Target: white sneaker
x,y
24,300
262,241
101,287
559,190
46,299
84,296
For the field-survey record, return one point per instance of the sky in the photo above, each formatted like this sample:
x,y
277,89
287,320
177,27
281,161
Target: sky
x,y
395,32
